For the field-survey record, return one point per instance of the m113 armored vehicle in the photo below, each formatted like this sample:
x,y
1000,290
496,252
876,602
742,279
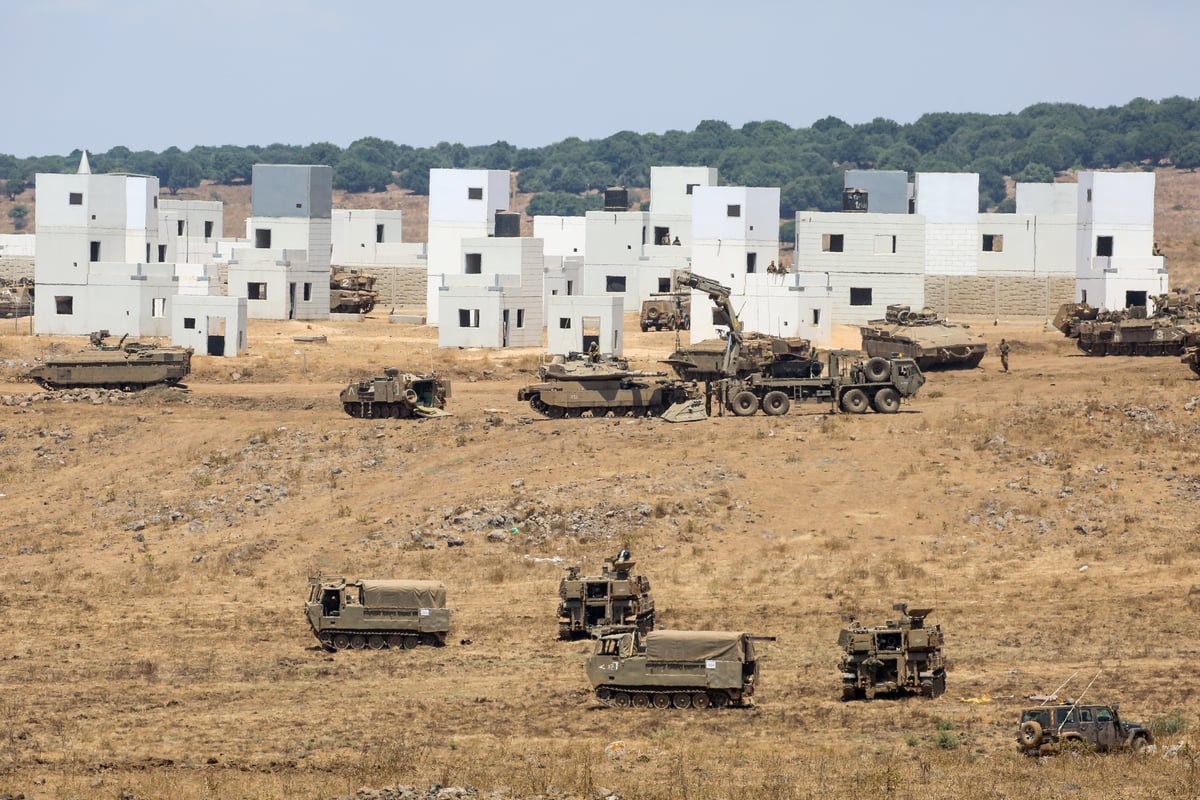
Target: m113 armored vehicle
x,y
376,614
898,656
679,669
127,366
588,604
396,396
1174,325
924,337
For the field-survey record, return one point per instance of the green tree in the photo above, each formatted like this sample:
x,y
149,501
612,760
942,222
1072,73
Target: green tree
x,y
1035,173
13,187
352,174
1187,156
19,214
564,204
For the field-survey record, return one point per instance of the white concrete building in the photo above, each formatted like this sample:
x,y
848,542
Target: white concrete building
x,y
564,237
189,229
284,274
496,300
949,203
210,325
372,237
462,205
1115,245
573,323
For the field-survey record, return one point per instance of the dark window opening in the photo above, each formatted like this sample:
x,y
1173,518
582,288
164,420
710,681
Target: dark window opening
x,y
147,252
751,263
520,318
76,198
564,323
475,193
474,264
662,235
468,318
64,304
256,291
614,283
1104,246
162,253
208,230
833,242
307,292
860,297
993,243
179,227
262,238
95,252
378,234
1135,299
691,186
189,323
733,211
664,284
816,316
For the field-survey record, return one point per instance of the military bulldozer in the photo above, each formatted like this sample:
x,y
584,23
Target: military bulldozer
x,y
898,656
396,395
376,614
674,669
589,603
351,291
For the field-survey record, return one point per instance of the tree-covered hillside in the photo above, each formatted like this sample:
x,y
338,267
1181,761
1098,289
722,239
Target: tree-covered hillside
x,y
806,163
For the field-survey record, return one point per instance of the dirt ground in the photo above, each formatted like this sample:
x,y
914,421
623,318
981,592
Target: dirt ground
x,y
155,552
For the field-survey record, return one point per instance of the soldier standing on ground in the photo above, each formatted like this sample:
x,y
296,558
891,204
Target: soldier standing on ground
x,y
1005,348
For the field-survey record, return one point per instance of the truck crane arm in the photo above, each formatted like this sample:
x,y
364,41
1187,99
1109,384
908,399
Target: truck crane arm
x,y
724,313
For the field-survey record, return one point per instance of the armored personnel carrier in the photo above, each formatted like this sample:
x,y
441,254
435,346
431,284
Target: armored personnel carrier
x,y
922,336
1131,331
679,669
126,366
903,656
351,291
704,360
578,385
668,312
589,603
396,396
376,614
1191,353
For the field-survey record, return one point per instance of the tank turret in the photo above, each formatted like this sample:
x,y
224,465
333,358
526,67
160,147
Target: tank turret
x,y
898,656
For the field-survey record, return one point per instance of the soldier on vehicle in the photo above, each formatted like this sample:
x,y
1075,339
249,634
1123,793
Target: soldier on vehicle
x,y
1004,349
594,352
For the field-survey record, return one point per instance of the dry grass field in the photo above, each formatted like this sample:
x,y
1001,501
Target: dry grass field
x,y
155,550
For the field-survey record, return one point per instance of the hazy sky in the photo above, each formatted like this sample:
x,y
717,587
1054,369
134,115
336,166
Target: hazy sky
x,y
149,74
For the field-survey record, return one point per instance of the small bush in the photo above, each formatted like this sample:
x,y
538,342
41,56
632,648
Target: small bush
x,y
946,740
1173,724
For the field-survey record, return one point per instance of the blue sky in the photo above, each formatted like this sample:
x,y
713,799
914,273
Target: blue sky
x,y
149,74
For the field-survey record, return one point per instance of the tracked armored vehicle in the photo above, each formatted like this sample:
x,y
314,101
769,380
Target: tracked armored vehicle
x,y
674,669
1132,332
126,366
589,603
351,291
924,337
898,656
704,360
669,312
394,395
1191,353
376,614
577,385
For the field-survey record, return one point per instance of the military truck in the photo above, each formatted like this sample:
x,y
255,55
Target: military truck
x,y
126,366
850,384
898,656
376,614
351,291
667,312
679,669
1049,729
396,396
587,604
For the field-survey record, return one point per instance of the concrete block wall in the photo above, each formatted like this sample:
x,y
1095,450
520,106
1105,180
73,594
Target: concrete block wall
x,y
998,297
16,267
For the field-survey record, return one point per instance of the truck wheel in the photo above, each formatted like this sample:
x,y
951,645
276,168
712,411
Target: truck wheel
x,y
1031,733
776,403
662,700
854,401
1139,744
886,400
744,403
700,700
681,700
877,369
652,312
645,327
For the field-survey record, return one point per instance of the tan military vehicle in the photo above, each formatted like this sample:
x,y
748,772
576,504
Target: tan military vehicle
x,y
680,669
667,312
16,297
924,337
1049,729
898,656
127,366
1132,331
376,614
396,396
351,291
577,385
704,360
589,603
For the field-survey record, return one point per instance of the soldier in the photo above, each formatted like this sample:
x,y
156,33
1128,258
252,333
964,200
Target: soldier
x,y
594,352
1005,347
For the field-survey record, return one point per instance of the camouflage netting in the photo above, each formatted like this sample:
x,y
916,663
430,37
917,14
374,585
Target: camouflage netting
x,y
695,646
403,594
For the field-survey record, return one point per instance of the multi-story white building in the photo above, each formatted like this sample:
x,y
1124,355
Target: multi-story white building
x,y
462,205
1116,265
188,230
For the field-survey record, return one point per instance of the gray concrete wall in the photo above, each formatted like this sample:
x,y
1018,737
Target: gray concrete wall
x,y
399,287
998,297
16,267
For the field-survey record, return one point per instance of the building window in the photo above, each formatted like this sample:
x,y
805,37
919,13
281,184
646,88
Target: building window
x,y
147,252
468,318
1089,195
75,198
733,211
816,316
833,243
262,238
691,186
860,297
885,244
564,323
158,307
1084,298
662,235
614,283
162,253
156,202
307,292
475,193
64,304
751,263
520,318
95,252
664,284
189,323
1104,246
179,228
993,243
378,234
256,291
474,265
570,286
208,229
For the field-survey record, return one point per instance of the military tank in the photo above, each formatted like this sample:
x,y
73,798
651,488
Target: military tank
x,y
898,656
704,360
351,291
376,614
1131,331
924,337
394,395
1191,353
576,385
674,669
590,603
126,366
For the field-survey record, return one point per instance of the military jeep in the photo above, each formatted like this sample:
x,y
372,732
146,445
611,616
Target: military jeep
x,y
1049,729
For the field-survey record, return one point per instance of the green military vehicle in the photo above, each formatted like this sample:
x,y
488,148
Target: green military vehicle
x,y
376,614
1049,729
351,291
898,656
576,385
126,366
396,396
679,669
670,312
589,603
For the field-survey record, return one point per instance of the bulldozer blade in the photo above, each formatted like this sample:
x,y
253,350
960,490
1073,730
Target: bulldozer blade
x,y
430,411
687,411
